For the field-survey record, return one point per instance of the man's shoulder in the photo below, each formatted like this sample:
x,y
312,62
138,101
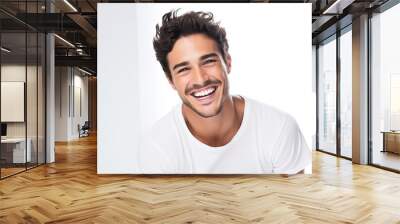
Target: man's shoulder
x,y
281,140
269,114
165,121
159,146
164,131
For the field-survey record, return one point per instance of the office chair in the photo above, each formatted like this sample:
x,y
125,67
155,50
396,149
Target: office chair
x,y
84,130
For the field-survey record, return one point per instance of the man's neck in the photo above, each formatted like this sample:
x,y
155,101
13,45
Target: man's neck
x,y
217,130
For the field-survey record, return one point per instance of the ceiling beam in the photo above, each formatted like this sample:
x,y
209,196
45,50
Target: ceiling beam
x,y
84,24
337,6
85,61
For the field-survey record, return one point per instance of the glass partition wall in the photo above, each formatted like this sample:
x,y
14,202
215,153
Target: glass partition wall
x,y
385,89
327,95
22,77
345,61
13,90
334,58
335,90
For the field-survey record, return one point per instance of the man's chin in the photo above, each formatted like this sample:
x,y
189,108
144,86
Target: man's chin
x,y
205,111
207,114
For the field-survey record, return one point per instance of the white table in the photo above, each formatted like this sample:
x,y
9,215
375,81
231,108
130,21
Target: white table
x,y
18,145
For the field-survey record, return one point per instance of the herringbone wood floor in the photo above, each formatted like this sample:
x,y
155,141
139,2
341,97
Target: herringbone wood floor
x,y
70,191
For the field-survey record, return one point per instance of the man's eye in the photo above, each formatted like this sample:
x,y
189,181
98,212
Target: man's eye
x,y
182,70
209,61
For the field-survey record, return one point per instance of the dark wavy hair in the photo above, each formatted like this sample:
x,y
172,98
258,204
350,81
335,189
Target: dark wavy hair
x,y
173,27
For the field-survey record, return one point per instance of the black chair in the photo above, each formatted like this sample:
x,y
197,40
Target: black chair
x,y
84,130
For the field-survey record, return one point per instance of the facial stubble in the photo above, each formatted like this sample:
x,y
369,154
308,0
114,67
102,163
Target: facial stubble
x,y
225,92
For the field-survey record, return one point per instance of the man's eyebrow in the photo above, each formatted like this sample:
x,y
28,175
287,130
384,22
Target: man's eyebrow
x,y
180,65
208,56
201,58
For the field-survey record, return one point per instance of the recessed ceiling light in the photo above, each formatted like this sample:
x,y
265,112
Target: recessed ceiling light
x,y
84,71
70,5
5,50
64,40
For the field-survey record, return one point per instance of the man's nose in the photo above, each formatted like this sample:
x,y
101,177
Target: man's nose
x,y
199,75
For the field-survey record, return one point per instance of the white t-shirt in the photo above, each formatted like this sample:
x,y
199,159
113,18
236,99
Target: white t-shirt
x,y
268,141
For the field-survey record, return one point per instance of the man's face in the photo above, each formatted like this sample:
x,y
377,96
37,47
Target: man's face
x,y
199,74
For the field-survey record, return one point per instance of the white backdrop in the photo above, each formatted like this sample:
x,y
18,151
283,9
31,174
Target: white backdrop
x,y
270,46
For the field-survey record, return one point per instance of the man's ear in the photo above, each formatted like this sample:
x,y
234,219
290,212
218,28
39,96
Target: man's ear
x,y
228,62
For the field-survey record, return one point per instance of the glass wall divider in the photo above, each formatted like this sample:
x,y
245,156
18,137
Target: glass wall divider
x,y
338,130
317,96
37,94
384,87
345,92
26,88
327,95
1,157
369,88
22,91
331,111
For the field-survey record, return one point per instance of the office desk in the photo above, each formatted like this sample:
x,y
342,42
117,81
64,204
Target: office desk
x,y
13,150
391,141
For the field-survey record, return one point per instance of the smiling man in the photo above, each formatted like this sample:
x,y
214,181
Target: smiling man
x,y
213,131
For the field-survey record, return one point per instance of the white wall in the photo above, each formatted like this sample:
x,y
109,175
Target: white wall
x,y
271,62
79,117
61,103
68,81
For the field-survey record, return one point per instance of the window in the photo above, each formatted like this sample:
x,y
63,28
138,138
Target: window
x,y
385,88
346,93
327,96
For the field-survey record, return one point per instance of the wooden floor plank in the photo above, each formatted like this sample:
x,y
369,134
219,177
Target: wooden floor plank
x,y
70,191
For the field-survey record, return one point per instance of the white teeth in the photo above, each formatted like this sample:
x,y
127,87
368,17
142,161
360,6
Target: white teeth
x,y
204,92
